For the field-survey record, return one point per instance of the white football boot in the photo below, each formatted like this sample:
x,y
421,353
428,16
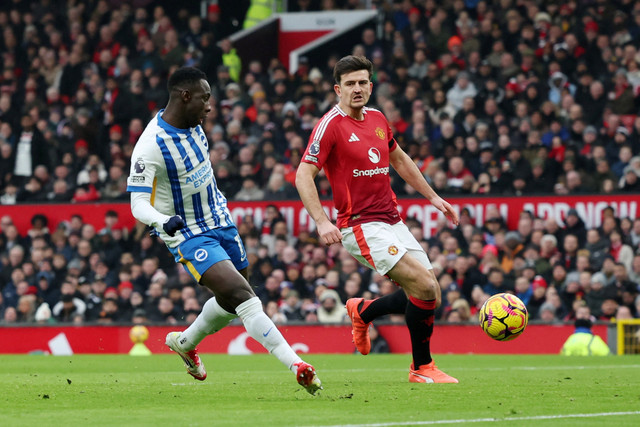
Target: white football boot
x,y
192,361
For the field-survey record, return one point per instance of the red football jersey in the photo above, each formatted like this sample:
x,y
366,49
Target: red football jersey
x,y
355,157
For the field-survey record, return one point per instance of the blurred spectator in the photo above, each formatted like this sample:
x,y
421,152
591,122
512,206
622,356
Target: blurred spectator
x,y
292,307
547,313
69,309
30,151
378,343
26,307
620,251
331,309
10,316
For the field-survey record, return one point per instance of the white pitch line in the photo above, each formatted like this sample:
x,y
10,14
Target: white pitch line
x,y
514,368
534,368
490,420
452,369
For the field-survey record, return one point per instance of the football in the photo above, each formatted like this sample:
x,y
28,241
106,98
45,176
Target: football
x,y
503,317
138,334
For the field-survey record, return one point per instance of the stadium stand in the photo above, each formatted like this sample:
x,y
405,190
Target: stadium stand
x,y
490,98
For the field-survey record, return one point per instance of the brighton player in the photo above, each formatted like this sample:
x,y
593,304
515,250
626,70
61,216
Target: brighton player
x,y
355,146
174,191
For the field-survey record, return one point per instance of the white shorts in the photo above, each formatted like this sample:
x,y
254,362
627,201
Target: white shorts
x,y
380,246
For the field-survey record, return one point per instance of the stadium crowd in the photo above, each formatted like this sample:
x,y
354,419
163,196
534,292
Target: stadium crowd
x,y
488,97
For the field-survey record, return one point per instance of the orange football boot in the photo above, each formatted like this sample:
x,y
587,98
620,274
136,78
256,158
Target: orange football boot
x,y
429,373
359,329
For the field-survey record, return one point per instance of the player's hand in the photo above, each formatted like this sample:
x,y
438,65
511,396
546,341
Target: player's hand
x,y
173,224
329,233
444,207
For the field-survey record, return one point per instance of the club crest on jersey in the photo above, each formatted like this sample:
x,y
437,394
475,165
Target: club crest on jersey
x,y
380,133
393,250
374,155
201,255
314,150
139,165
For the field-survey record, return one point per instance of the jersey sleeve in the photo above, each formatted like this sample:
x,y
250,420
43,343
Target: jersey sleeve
x,y
320,144
144,165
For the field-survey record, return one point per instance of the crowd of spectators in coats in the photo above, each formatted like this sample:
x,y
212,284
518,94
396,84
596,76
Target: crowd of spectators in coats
x,y
488,98
77,273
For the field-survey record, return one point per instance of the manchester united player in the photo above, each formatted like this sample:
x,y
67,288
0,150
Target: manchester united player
x,y
354,145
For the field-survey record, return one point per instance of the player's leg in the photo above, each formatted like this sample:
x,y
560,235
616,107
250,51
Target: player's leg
x,y
234,293
392,250
197,255
362,312
228,281
216,260
211,319
395,303
420,311
375,246
248,306
414,273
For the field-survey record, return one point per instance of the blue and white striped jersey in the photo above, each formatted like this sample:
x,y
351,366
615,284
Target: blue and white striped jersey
x,y
173,166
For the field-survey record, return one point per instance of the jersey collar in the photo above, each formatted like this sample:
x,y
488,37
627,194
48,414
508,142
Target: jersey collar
x,y
169,128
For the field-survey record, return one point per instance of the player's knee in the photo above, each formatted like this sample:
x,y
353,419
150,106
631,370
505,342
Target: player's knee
x,y
232,298
434,286
429,288
427,282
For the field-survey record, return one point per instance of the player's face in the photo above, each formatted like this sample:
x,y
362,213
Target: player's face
x,y
354,89
198,105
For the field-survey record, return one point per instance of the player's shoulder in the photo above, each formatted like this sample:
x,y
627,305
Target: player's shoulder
x,y
329,120
373,111
333,116
147,141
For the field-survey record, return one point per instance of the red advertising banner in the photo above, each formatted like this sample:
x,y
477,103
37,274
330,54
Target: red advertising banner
x,y
313,339
589,208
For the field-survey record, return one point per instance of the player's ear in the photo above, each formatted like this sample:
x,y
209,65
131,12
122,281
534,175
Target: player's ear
x,y
336,88
185,95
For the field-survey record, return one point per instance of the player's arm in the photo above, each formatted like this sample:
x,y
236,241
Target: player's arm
x,y
306,187
144,212
408,170
142,174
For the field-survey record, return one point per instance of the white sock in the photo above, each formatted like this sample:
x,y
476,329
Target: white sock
x,y
209,321
263,330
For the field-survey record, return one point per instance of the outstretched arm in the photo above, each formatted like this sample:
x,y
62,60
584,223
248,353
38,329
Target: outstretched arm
x,y
329,233
408,170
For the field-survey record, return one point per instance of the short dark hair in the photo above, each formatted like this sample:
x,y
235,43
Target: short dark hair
x,y
349,64
188,75
39,218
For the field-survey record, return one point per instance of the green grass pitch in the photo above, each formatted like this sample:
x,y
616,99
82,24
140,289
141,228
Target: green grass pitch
x,y
358,390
